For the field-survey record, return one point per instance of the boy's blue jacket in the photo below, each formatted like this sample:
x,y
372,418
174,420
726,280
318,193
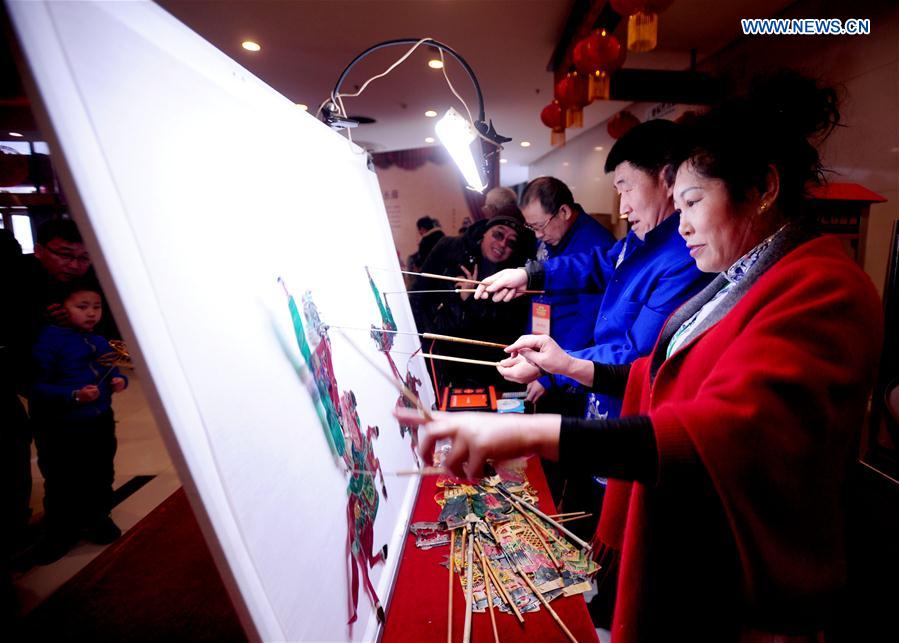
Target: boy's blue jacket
x,y
66,360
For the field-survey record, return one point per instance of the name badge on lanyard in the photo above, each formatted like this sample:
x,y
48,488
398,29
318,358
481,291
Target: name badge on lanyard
x,y
540,314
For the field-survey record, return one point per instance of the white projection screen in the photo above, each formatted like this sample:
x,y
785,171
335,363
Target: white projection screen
x,y
197,187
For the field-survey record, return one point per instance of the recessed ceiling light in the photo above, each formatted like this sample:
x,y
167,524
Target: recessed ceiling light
x,y
504,160
525,143
598,148
303,107
429,139
16,134
430,113
249,45
435,63
566,163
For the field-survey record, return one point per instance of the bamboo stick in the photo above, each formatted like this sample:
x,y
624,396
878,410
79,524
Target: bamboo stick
x,y
461,360
532,587
431,275
466,635
403,389
563,520
460,280
537,532
449,338
560,527
566,515
489,595
543,600
452,564
462,340
453,290
401,473
499,585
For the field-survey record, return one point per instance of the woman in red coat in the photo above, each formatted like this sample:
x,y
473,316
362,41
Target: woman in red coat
x,y
730,467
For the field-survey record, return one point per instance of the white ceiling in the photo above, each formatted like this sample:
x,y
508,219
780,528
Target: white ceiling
x,y
508,43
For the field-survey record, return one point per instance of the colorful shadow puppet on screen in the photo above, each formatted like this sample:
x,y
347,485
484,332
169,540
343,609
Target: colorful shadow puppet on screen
x,y
352,447
384,337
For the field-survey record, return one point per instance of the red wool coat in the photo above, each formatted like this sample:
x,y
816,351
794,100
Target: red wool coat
x,y
756,421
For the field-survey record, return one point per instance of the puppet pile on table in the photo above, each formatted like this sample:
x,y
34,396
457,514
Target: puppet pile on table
x,y
511,537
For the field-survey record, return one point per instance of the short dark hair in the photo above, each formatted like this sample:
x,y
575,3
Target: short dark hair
x,y
64,229
82,284
778,122
427,223
550,191
652,147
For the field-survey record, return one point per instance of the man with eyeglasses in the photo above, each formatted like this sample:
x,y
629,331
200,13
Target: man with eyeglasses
x,y
562,228
59,258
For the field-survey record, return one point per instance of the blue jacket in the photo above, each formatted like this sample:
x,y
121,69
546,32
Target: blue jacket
x,y
655,277
573,315
65,360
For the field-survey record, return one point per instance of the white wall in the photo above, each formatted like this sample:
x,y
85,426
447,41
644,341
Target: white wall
x,y
866,68
433,189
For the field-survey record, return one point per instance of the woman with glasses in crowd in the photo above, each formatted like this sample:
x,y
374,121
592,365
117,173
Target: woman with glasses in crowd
x,y
486,247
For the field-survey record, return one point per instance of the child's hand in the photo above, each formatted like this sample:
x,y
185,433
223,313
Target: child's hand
x,y
57,315
117,384
87,394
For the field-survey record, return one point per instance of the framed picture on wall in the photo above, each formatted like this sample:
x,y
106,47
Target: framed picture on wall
x,y
882,447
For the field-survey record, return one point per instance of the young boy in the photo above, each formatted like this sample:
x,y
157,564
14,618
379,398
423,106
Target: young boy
x,y
74,428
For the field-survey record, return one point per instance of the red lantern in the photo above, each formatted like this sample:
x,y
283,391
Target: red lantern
x,y
585,56
621,123
595,57
553,116
572,94
599,50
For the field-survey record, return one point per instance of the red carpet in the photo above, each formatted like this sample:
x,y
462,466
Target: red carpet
x,y
156,583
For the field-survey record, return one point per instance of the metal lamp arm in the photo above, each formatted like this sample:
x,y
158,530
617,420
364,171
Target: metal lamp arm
x,y
412,41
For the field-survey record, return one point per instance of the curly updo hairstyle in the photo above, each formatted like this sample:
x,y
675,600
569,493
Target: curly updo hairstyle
x,y
780,122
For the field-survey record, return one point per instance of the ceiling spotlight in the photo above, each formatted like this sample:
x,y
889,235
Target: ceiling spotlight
x,y
16,134
525,143
430,113
249,45
435,63
598,148
504,160
303,107
566,163
429,139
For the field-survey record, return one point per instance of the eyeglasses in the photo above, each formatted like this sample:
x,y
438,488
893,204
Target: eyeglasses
x,y
542,226
502,237
67,258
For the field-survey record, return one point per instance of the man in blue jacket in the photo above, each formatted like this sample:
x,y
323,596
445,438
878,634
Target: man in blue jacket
x,y
563,228
641,279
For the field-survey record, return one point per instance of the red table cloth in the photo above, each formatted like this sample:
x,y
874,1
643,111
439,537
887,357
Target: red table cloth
x,y
418,606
